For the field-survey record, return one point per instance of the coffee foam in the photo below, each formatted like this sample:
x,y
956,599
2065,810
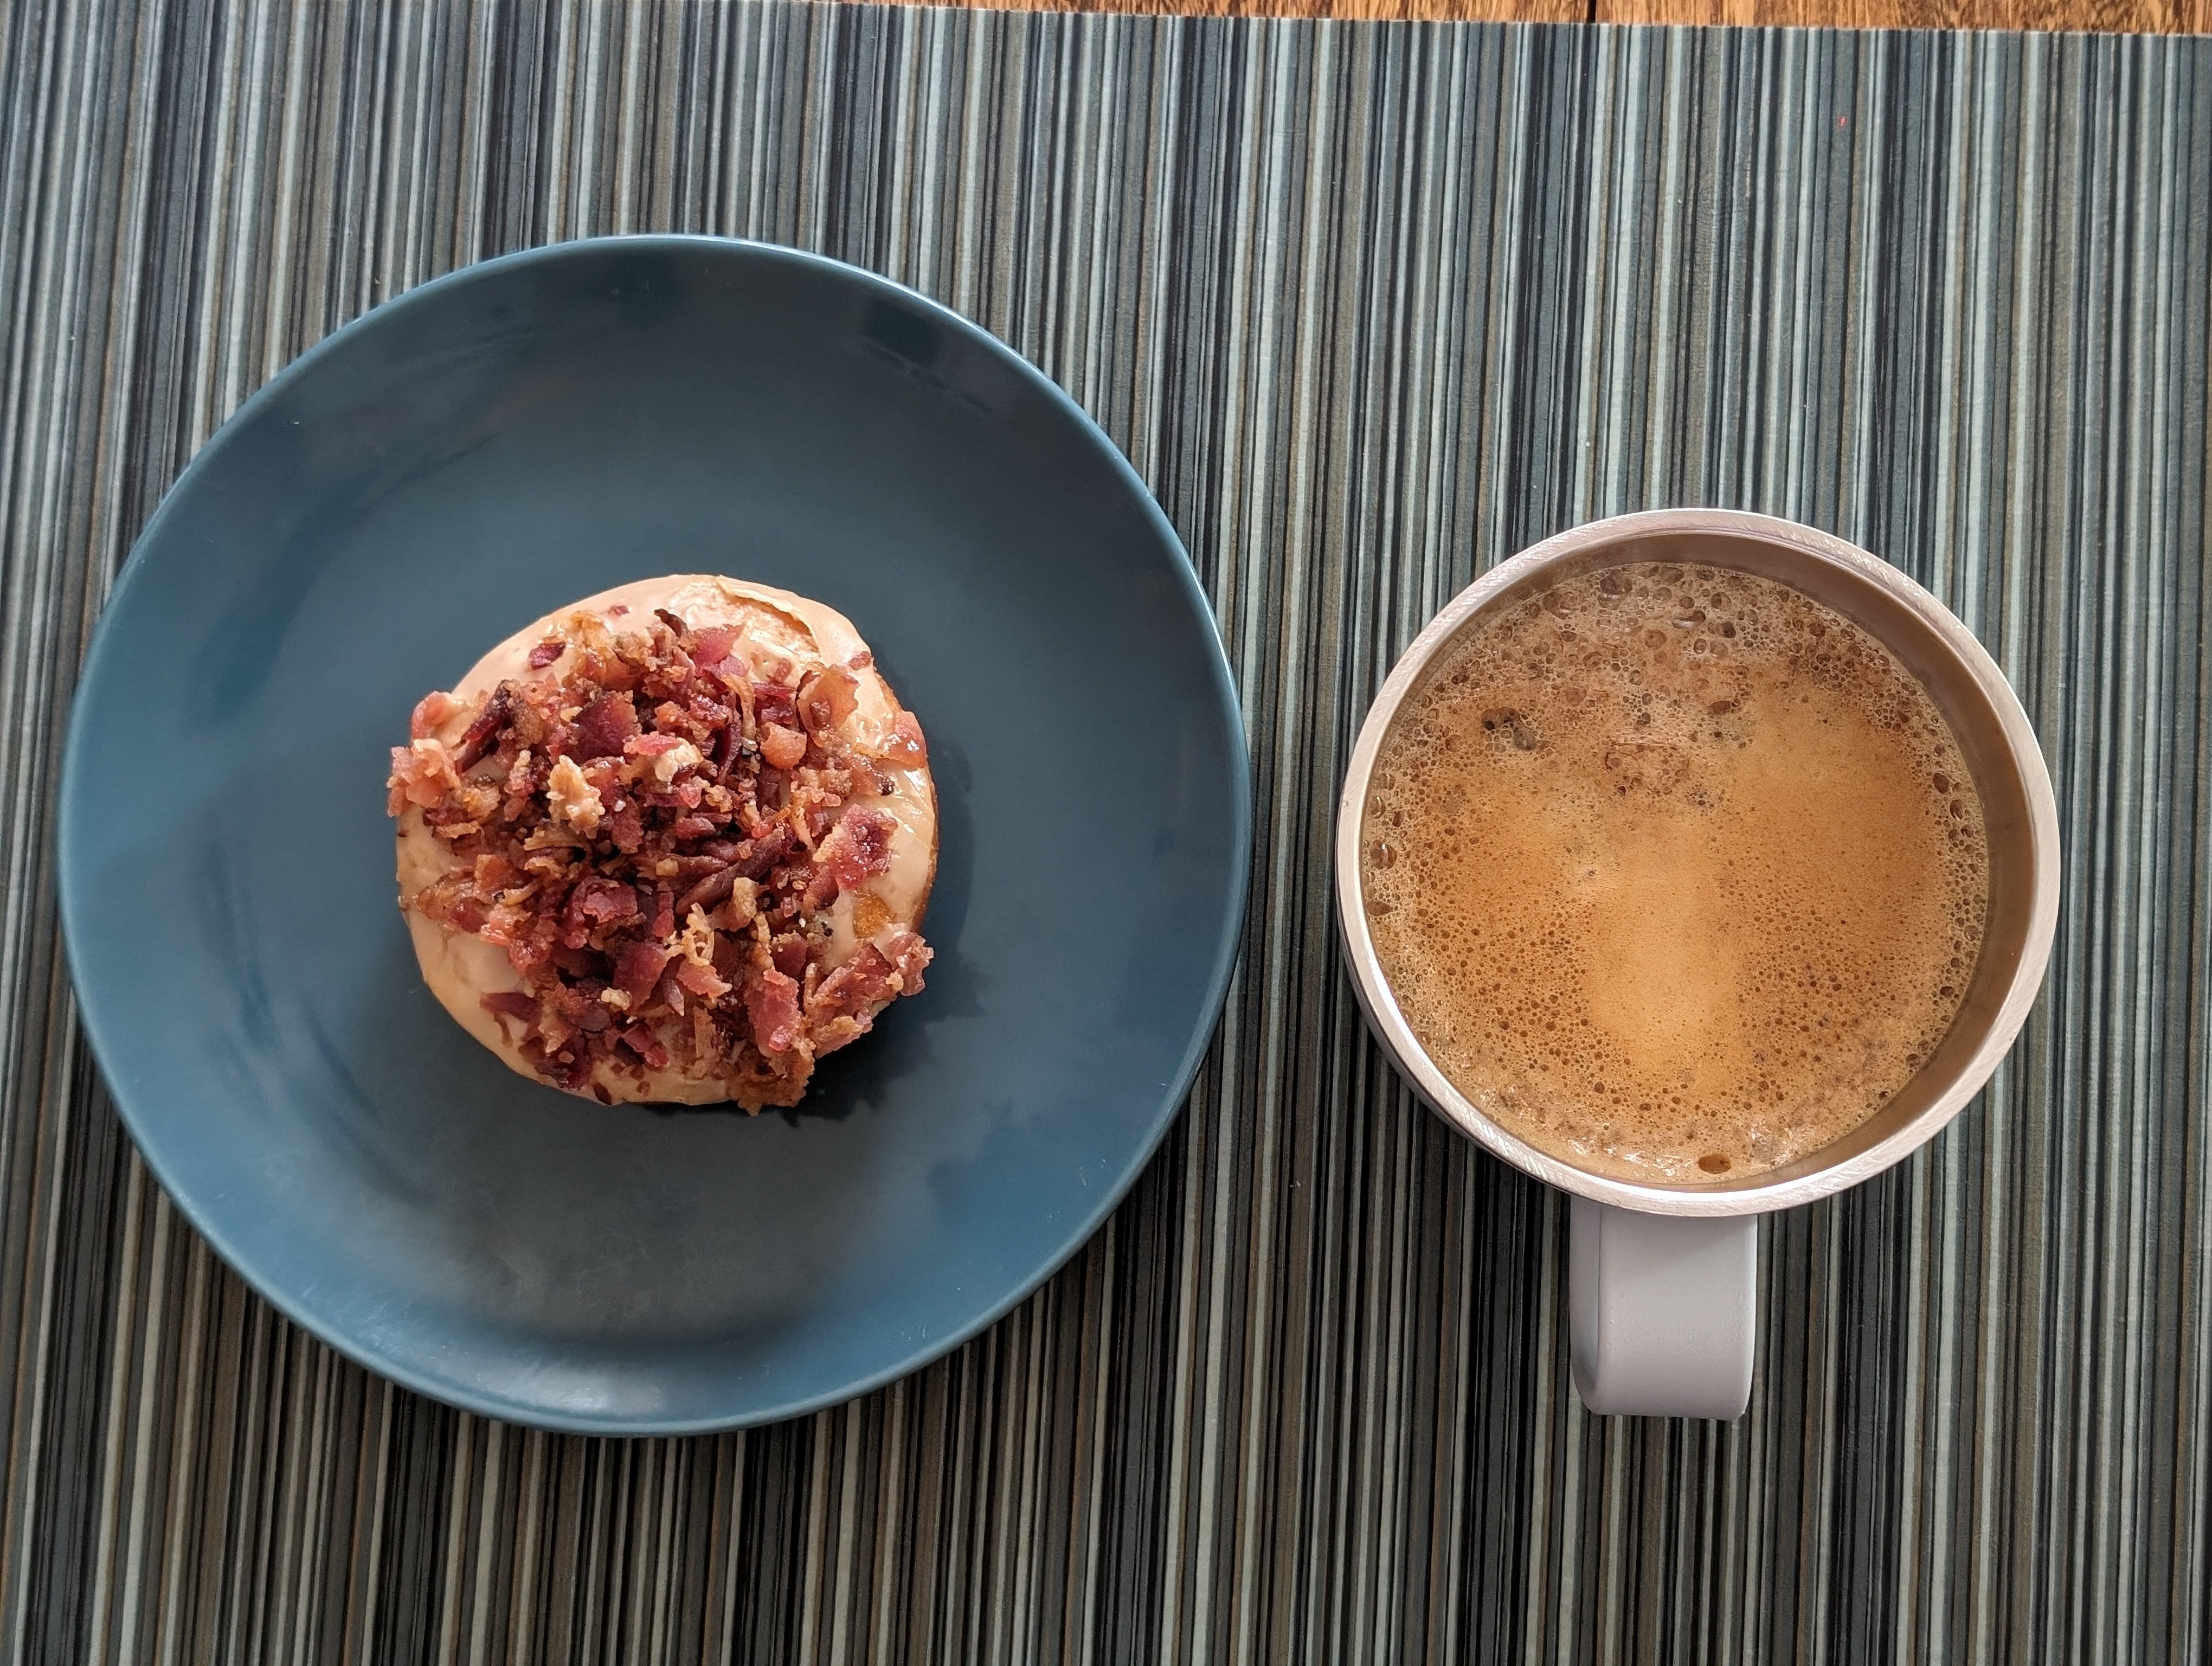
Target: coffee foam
x,y
1675,873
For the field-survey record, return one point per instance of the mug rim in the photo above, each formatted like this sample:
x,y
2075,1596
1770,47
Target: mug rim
x,y
1755,1196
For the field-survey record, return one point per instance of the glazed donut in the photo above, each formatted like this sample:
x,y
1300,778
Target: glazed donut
x,y
671,843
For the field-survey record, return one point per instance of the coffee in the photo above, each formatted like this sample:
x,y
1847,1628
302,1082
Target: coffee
x,y
1674,872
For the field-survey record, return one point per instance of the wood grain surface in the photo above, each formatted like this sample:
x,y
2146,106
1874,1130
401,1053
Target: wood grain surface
x,y
2110,17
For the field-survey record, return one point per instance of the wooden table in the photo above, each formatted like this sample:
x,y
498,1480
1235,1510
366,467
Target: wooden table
x,y
2149,16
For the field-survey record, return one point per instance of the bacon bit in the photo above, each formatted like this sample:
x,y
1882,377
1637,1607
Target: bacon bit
x,y
688,828
663,913
512,1004
839,1032
756,858
530,952
665,755
422,773
522,781
858,846
907,750
626,827
494,873
670,992
772,1007
596,905
709,890
772,704
866,978
738,678
637,966
846,1002
478,737
504,922
821,891
572,799
431,713
861,660
788,953
546,653
816,820
640,1040
698,943
577,962
826,698
702,982
781,748
603,726
472,801
910,955
739,909
579,1008
712,645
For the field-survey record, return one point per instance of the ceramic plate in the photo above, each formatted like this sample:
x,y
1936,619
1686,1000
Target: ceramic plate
x,y
448,468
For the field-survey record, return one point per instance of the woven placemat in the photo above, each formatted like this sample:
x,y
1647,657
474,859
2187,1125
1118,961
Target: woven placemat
x,y
1370,307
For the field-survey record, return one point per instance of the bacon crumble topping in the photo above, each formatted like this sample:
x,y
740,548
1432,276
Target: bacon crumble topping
x,y
655,834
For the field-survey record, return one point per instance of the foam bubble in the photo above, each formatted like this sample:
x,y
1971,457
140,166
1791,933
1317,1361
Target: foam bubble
x,y
1675,873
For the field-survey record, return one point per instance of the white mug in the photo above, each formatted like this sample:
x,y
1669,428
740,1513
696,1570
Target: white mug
x,y
1663,1280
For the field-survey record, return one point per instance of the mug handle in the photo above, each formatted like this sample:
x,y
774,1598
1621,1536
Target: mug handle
x,y
1662,1311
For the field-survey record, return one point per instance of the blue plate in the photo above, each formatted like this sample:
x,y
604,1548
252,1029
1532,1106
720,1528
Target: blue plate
x,y
435,476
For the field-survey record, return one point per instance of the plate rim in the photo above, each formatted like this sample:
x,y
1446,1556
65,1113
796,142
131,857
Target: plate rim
x,y
1228,706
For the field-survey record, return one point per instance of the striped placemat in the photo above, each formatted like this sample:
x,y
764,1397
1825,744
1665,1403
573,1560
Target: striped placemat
x,y
1370,307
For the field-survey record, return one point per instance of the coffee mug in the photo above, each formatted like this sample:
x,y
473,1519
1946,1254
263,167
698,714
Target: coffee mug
x,y
1663,1280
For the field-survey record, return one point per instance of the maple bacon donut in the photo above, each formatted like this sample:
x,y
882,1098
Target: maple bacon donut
x,y
671,844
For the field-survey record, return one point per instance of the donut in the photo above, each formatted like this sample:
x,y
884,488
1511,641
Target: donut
x,y
671,844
